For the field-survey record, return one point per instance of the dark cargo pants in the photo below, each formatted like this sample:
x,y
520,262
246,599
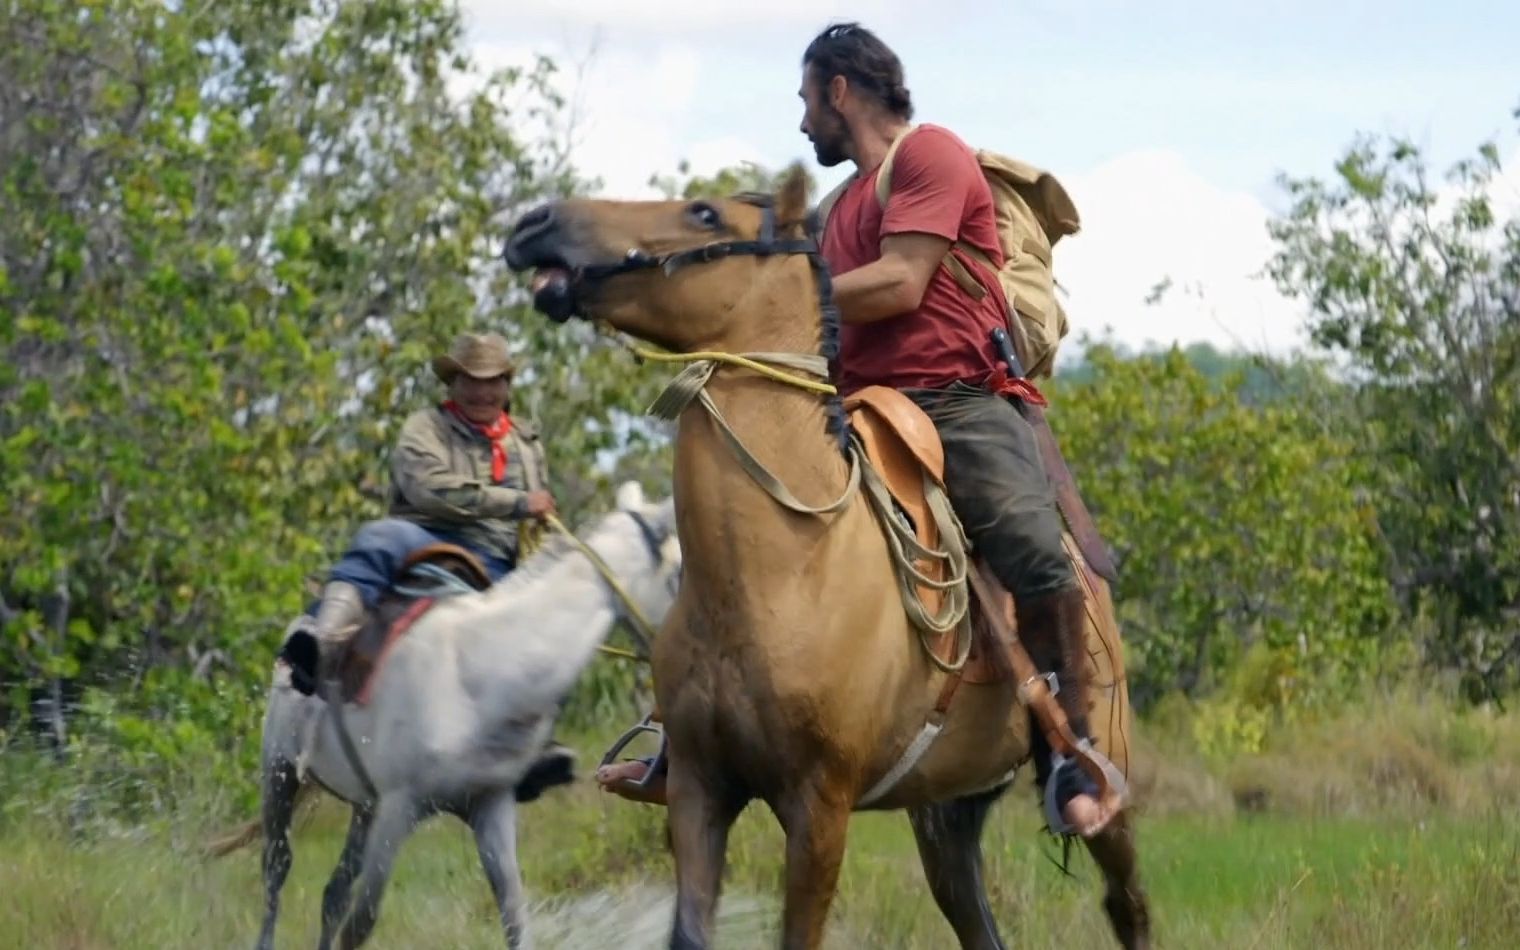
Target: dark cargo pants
x,y
997,485
998,488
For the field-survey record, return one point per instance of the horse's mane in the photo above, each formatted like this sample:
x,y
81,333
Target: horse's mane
x,y
837,421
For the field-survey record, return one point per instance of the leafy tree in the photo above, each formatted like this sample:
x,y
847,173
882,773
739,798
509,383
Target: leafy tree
x,y
1237,526
1415,287
231,236
732,180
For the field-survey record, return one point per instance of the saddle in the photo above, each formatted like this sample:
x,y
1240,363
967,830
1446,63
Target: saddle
x,y
417,586
903,447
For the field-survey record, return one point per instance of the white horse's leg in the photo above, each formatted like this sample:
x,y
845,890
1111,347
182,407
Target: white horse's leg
x,y
494,821
279,800
335,895
395,817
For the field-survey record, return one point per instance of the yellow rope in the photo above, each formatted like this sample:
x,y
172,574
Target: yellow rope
x,y
903,546
530,537
623,654
732,359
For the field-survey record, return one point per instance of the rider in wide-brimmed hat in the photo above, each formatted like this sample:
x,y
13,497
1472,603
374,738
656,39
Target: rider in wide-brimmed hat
x,y
464,471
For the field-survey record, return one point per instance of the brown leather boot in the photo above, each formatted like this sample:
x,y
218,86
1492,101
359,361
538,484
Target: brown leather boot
x,y
1053,629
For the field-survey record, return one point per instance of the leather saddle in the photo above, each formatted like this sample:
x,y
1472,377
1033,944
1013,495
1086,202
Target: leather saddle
x,y
417,586
901,444
399,609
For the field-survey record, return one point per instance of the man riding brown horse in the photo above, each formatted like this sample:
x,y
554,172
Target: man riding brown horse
x,y
907,324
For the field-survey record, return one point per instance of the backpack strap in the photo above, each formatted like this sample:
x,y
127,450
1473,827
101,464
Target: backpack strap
x,y
883,181
827,202
963,276
884,172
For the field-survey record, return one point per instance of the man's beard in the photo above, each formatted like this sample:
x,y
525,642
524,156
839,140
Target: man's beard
x,y
831,145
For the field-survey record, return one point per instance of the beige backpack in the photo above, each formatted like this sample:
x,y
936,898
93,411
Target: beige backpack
x,y
1033,213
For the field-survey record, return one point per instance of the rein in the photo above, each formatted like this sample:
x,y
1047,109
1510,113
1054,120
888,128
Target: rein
x,y
691,383
635,616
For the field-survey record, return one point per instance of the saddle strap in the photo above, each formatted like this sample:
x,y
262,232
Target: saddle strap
x,y
933,726
1034,691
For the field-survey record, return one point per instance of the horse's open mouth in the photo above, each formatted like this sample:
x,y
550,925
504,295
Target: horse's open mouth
x,y
553,290
541,243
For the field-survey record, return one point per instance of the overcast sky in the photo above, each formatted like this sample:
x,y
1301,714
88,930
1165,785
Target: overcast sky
x,y
1166,120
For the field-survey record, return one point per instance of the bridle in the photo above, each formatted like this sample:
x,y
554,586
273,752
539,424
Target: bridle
x,y
630,612
652,539
766,245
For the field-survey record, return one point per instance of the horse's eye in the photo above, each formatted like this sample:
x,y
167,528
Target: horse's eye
x,y
704,215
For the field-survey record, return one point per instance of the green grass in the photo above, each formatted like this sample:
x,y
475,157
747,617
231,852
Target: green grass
x,y
598,872
1391,826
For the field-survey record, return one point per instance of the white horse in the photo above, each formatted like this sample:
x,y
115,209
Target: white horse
x,y
460,709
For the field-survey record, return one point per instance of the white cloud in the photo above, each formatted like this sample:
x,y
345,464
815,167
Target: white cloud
x,y
627,107
650,70
1147,217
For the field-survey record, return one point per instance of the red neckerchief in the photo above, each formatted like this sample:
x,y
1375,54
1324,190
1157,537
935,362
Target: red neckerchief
x,y
495,432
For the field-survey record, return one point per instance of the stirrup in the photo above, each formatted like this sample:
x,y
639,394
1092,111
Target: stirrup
x,y
1113,790
655,764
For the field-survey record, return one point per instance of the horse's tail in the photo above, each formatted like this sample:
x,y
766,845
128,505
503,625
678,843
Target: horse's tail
x,y
245,835
251,831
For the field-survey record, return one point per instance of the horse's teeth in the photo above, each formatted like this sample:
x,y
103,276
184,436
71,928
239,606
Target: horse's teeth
x,y
546,276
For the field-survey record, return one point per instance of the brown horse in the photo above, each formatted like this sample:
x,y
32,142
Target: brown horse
x,y
788,669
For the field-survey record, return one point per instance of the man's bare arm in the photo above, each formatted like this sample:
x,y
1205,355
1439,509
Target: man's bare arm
x,y
894,284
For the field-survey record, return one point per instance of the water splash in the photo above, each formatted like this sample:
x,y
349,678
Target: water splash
x,y
639,918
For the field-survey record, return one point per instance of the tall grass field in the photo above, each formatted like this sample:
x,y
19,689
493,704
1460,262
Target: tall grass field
x,y
1391,828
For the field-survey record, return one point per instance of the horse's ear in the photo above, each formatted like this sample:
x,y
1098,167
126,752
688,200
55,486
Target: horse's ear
x,y
630,496
792,197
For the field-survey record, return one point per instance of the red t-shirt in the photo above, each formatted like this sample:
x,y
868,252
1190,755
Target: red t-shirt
x,y
937,188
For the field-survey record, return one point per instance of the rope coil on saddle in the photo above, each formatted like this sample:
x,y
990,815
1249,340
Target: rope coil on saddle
x,y
690,385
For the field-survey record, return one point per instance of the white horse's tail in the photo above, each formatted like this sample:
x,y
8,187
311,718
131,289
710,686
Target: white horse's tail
x,y
251,831
244,836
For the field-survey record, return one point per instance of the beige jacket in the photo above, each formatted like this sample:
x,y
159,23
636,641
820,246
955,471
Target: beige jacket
x,y
441,479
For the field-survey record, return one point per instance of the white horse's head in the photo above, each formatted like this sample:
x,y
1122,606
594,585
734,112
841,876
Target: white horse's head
x,y
642,534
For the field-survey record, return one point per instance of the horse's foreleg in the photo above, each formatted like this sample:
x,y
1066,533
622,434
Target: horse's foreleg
x,y
394,819
335,894
279,801
949,838
494,822
816,821
699,821
1114,851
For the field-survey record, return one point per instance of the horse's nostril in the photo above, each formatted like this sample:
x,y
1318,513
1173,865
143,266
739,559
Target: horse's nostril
x,y
529,228
535,220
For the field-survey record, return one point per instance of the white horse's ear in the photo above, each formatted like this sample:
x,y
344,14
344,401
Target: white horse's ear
x,y
630,496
